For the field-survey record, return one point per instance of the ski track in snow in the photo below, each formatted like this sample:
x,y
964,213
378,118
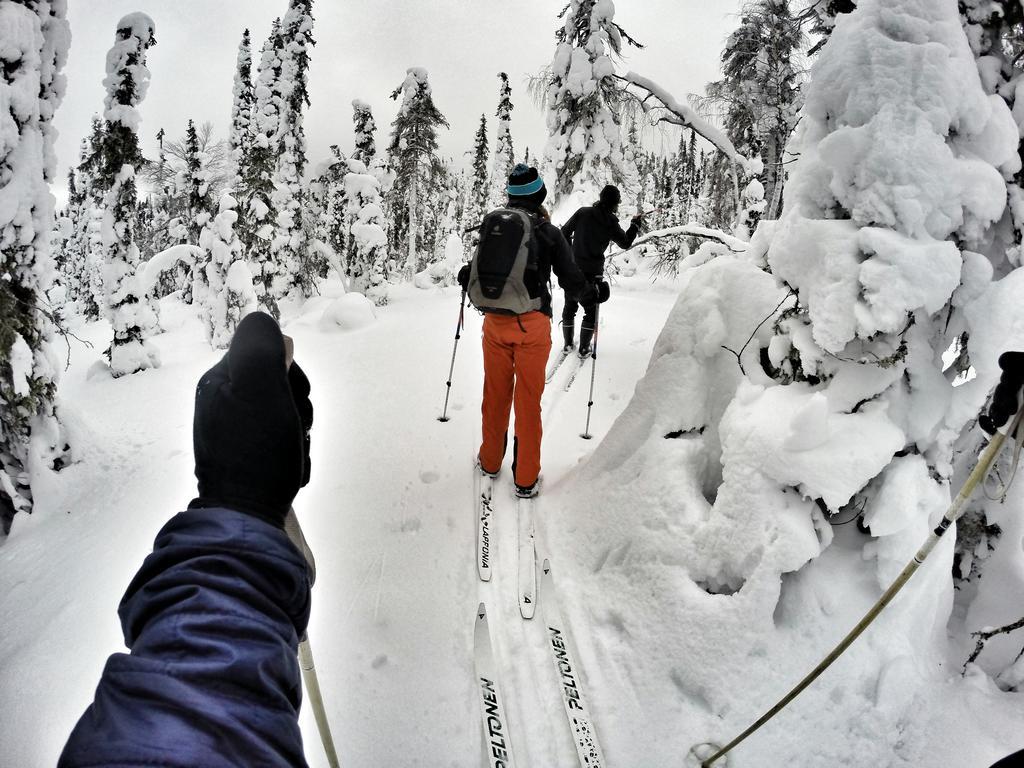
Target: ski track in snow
x,y
389,514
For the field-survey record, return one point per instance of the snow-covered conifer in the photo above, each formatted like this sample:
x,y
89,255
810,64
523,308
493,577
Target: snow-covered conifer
x,y
225,292
757,101
894,194
240,133
368,263
584,102
413,151
132,313
365,128
36,41
504,152
480,189
290,247
328,207
257,167
196,185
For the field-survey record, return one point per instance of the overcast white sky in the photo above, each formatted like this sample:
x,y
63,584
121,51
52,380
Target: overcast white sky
x,y
363,49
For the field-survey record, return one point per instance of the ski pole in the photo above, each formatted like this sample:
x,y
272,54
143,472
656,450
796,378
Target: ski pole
x,y
316,700
593,370
451,371
984,466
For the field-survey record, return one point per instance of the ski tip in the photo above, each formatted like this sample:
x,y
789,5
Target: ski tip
x,y
481,612
546,568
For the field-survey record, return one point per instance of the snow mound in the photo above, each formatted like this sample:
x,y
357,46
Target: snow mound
x,y
349,312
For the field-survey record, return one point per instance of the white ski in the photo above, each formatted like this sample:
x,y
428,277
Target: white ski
x,y
484,516
584,735
556,365
576,371
527,558
497,744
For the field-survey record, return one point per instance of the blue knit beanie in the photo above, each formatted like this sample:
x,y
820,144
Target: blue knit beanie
x,y
524,181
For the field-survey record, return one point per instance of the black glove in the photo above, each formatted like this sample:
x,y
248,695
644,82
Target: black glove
x,y
604,291
1006,398
464,277
588,296
247,434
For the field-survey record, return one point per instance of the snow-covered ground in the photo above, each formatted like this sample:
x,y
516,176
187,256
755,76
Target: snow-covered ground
x,y
388,513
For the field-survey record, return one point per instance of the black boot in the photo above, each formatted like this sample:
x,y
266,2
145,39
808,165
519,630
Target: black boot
x,y
569,331
586,334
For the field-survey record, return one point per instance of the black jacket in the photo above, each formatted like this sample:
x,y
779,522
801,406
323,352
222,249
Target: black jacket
x,y
590,230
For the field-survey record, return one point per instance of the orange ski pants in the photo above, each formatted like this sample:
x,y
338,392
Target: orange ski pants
x,y
516,353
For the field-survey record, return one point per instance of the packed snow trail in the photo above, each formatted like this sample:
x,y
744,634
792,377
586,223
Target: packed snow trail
x,y
388,514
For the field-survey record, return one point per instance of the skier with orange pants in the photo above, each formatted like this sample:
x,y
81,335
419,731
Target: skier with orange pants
x,y
508,281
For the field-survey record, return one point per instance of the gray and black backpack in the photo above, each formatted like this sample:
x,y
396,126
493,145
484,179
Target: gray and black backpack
x,y
507,251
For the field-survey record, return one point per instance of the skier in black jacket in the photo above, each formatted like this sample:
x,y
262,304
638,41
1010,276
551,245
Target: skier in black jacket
x,y
590,230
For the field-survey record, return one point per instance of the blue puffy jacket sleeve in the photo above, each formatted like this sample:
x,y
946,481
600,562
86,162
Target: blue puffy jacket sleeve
x,y
212,619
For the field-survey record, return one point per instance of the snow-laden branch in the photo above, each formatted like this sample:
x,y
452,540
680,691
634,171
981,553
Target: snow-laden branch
x,y
685,116
734,244
161,262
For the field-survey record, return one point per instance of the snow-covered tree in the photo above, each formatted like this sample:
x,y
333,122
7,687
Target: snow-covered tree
x,y
480,189
895,192
504,152
584,103
36,41
987,551
224,291
757,100
240,134
257,168
413,151
367,265
196,185
823,15
365,128
290,247
328,206
131,312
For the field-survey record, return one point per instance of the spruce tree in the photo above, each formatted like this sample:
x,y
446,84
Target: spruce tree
x,y
585,103
369,239
240,134
290,248
30,433
258,166
413,151
758,98
226,294
131,312
504,153
197,185
480,186
328,206
365,128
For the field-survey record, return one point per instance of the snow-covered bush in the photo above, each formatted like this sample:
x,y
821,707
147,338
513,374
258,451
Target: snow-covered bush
x,y
349,312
